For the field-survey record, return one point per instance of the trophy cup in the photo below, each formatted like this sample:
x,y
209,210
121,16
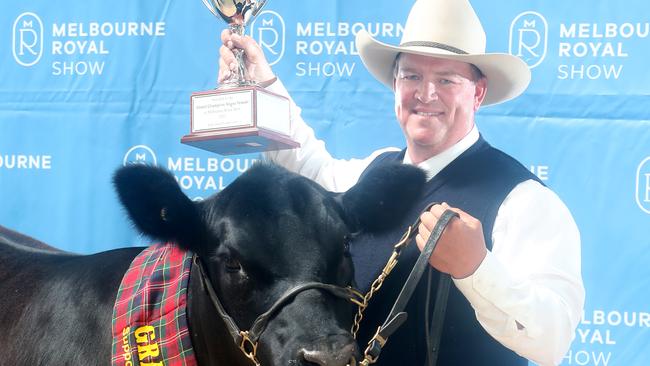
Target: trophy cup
x,y
239,116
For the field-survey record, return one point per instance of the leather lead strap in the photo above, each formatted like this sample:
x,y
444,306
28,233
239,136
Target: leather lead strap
x,y
434,333
397,316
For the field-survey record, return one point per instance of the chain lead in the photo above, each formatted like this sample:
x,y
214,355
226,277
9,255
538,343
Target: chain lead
x,y
376,284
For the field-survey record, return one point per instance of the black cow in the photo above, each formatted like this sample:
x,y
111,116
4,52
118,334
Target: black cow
x,y
9,236
268,231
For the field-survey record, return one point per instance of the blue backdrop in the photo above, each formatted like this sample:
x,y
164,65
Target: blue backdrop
x,y
84,89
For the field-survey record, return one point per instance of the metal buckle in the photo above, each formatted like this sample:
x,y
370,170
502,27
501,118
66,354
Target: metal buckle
x,y
357,297
392,262
405,238
248,347
377,337
367,357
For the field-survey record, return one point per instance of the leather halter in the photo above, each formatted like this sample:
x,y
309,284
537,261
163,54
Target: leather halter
x,y
247,340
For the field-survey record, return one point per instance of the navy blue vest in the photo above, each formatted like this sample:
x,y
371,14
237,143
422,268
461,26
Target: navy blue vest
x,y
477,182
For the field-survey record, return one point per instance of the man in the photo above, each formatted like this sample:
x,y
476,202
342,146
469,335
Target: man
x,y
514,252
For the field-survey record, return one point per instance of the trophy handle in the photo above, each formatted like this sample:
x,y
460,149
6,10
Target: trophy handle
x,y
209,6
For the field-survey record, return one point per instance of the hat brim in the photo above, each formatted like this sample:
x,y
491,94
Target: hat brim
x,y
507,75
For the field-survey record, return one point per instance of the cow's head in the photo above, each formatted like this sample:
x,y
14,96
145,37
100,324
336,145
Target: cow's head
x,y
269,231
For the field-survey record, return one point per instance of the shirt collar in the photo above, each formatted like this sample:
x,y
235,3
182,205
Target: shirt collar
x,y
435,164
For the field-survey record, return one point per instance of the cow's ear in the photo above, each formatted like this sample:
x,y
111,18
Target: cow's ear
x,y
156,204
383,196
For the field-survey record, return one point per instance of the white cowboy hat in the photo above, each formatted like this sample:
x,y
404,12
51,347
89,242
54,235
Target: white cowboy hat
x,y
447,29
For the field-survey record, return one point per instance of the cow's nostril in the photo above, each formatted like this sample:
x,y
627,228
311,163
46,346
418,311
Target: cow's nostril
x,y
314,357
345,356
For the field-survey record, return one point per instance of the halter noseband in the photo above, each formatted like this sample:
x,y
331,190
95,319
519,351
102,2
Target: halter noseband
x,y
247,340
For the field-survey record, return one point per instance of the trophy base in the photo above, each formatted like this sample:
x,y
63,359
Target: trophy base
x,y
239,120
240,141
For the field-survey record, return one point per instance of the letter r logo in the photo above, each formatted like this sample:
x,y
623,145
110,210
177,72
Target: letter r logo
x,y
268,29
27,39
529,38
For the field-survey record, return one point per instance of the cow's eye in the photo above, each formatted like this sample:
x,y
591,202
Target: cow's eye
x,y
232,265
346,245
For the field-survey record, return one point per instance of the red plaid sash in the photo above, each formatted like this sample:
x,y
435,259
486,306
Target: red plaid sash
x,y
150,313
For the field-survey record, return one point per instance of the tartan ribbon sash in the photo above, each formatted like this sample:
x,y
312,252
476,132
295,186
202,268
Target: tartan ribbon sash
x,y
149,324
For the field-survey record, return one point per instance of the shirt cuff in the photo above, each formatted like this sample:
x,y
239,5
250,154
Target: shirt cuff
x,y
490,292
476,287
278,88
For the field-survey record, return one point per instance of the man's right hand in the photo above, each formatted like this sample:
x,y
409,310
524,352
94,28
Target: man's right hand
x,y
257,67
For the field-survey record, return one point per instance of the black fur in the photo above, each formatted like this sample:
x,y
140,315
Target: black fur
x,y
156,204
376,211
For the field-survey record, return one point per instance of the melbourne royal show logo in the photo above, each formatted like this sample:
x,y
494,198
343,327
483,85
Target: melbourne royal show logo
x,y
269,30
140,154
27,39
76,48
529,38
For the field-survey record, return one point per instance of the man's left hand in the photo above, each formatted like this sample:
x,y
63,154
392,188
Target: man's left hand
x,y
461,248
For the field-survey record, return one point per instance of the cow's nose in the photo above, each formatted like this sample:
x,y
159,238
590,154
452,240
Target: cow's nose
x,y
328,356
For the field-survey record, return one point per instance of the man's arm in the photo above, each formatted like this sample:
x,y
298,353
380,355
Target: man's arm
x,y
312,159
527,292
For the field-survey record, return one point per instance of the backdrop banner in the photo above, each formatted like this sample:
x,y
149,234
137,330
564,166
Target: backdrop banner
x,y
86,89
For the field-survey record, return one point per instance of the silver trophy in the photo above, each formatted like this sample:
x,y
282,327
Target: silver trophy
x,y
237,14
239,116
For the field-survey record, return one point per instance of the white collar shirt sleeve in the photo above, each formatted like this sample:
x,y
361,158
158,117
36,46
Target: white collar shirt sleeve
x,y
528,292
312,159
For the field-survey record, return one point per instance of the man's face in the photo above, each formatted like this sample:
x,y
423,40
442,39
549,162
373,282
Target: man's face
x,y
435,102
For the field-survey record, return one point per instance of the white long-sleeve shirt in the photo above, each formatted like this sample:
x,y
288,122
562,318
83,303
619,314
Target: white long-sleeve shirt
x,y
528,292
